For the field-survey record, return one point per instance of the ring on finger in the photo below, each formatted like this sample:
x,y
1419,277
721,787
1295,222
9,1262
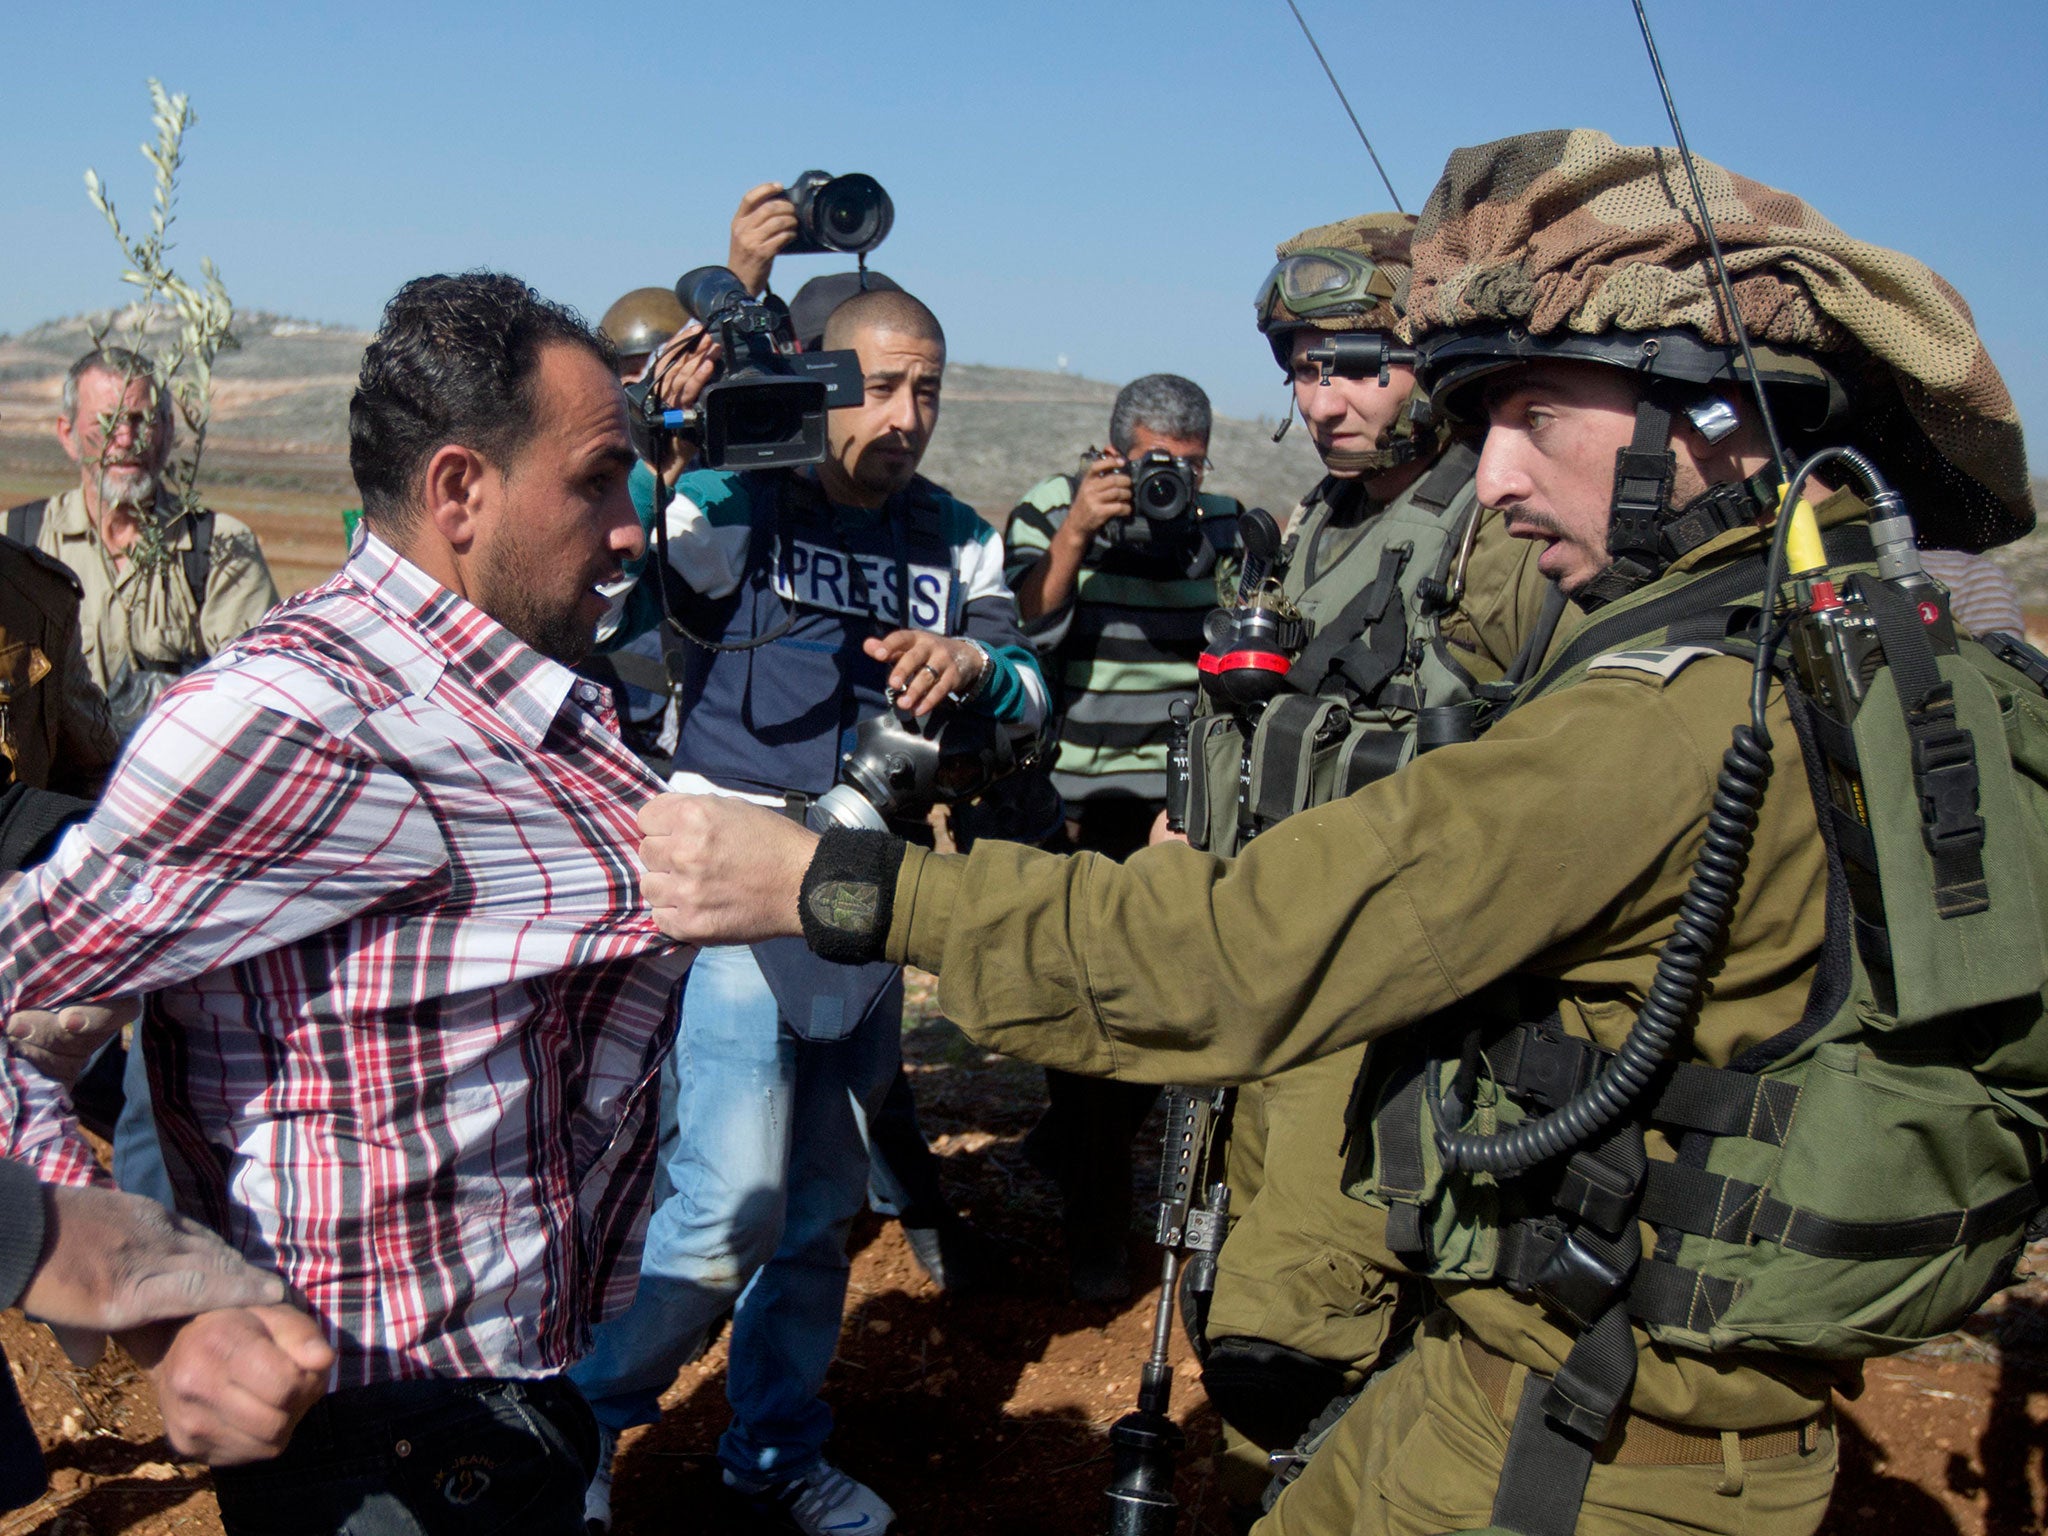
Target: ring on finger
x,y
937,675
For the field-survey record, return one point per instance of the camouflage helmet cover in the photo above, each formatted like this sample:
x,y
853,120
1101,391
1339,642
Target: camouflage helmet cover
x,y
1382,238
642,320
1565,234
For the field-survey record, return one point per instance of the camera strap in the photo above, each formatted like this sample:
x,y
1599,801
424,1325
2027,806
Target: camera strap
x,y
676,593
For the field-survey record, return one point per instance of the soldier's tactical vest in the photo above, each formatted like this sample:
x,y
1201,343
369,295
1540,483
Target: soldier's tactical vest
x,y
1861,1182
1375,660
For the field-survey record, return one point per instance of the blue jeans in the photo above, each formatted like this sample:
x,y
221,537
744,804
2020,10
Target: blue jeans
x,y
764,1165
138,1155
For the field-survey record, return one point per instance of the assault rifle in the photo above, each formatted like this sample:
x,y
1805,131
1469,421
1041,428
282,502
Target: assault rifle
x,y
1194,1212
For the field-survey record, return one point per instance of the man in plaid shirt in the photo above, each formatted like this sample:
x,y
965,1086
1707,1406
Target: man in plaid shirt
x,y
374,866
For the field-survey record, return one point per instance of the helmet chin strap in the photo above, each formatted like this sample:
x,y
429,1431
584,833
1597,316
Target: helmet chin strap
x,y
1645,533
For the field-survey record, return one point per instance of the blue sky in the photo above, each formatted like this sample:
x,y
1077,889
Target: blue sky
x,y
1103,182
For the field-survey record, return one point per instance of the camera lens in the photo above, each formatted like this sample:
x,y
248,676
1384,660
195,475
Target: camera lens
x,y
850,213
1161,490
762,419
705,292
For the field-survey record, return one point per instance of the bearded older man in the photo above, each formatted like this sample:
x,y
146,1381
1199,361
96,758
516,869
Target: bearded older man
x,y
152,610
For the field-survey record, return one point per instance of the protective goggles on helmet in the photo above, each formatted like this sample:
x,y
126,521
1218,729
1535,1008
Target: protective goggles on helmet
x,y
1320,283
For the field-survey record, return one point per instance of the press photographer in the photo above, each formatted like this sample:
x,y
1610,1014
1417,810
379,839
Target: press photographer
x,y
1115,568
807,601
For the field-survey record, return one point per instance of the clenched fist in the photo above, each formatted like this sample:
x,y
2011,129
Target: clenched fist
x,y
722,871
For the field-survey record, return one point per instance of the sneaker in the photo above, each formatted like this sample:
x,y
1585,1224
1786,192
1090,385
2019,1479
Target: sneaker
x,y
597,1498
820,1500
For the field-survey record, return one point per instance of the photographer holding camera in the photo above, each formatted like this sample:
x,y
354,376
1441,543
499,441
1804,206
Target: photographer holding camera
x,y
1115,567
813,603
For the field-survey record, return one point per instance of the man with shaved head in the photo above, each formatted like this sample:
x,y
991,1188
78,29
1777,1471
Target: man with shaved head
x,y
810,601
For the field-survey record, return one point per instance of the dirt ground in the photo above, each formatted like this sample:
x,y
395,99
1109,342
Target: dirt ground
x,y
989,1415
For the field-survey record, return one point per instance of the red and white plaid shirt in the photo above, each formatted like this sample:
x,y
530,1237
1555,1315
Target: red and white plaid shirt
x,y
375,866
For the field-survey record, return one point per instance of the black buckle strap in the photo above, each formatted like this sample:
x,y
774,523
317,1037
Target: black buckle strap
x,y
1580,1276
1643,472
1541,1063
1723,506
1733,1211
1944,756
1603,1183
1564,1261
1550,1450
1353,623
1658,1292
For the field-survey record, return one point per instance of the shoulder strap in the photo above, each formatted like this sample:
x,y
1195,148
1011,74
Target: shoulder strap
x,y
1448,476
1362,616
25,522
199,558
925,504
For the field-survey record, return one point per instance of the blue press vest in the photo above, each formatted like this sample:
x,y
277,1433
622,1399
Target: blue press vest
x,y
778,717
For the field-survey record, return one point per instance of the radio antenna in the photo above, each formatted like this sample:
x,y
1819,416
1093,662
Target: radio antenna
x,y
1302,21
1699,198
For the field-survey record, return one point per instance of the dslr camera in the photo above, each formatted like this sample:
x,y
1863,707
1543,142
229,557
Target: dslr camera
x,y
839,213
766,408
1162,497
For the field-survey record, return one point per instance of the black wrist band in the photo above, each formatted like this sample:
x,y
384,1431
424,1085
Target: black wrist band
x,y
848,896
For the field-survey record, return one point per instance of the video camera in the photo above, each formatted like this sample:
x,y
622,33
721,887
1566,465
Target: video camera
x,y
766,409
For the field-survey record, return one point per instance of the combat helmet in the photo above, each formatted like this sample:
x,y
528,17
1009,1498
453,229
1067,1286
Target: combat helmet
x,y
1348,277
640,322
1564,244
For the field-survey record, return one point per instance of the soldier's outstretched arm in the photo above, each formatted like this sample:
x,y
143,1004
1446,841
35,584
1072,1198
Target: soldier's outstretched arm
x,y
1566,834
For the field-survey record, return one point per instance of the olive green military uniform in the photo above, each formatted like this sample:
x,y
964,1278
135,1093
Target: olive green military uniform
x,y
1554,850
146,620
1306,1266
54,729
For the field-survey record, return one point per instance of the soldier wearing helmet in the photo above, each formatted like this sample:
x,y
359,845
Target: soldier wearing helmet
x,y
1492,916
1418,600
637,325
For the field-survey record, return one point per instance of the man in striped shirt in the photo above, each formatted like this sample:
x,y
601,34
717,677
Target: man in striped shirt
x,y
373,866
1117,622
